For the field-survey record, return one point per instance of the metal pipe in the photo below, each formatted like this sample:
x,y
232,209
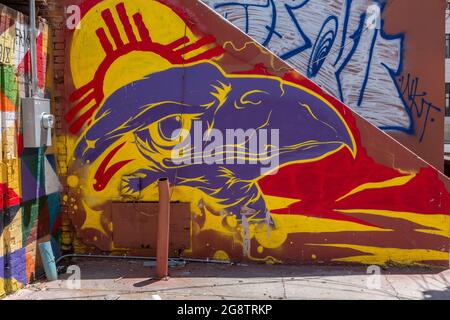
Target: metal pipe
x,y
93,256
162,243
33,50
89,256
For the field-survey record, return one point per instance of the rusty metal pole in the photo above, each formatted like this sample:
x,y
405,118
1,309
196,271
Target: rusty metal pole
x,y
162,245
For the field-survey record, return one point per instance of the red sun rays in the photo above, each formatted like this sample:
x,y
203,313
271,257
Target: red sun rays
x,y
174,52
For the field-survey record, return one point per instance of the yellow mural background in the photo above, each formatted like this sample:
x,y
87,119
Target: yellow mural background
x,y
165,27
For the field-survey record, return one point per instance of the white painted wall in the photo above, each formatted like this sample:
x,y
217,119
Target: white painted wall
x,y
316,38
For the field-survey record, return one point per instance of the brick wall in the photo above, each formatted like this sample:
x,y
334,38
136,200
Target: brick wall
x,y
54,13
13,86
29,207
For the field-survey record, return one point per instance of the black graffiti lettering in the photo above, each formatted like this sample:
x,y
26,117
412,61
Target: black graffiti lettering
x,y
7,55
417,103
18,39
22,38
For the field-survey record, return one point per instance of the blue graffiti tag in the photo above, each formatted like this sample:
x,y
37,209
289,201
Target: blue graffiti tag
x,y
323,46
329,41
418,105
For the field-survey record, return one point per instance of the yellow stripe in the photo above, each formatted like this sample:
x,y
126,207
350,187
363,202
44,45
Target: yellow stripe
x,y
275,203
396,182
440,222
383,256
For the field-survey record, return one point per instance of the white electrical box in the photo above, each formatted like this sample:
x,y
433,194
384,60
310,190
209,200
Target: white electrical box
x,y
37,122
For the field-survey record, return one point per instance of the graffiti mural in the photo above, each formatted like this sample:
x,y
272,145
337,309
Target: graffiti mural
x,y
21,205
238,97
341,46
333,195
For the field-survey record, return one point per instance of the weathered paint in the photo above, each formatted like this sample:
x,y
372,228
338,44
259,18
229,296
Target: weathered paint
x,y
344,190
21,206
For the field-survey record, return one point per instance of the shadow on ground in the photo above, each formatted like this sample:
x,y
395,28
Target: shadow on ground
x,y
110,279
437,295
114,268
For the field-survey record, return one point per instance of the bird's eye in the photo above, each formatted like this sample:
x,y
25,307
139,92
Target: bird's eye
x,y
171,130
168,127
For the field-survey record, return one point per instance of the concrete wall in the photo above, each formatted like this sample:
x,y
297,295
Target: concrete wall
x,y
26,214
343,191
381,72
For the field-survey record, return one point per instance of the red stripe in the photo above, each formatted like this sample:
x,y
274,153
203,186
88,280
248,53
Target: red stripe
x,y
81,92
178,43
109,20
126,22
104,175
217,51
104,41
200,43
78,124
74,111
5,23
143,31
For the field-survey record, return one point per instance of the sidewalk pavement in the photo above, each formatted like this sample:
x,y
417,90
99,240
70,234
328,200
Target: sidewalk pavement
x,y
130,279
